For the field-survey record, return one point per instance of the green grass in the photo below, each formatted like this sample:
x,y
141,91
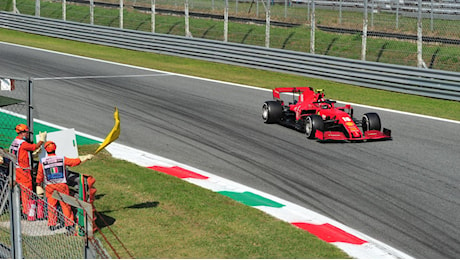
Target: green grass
x,y
159,216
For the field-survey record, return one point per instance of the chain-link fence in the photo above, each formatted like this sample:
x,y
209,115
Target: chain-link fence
x,y
5,233
46,232
62,239
33,226
394,28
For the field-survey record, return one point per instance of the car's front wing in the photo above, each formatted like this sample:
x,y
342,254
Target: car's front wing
x,y
340,136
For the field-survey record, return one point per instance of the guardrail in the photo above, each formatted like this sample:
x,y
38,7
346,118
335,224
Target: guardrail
x,y
403,79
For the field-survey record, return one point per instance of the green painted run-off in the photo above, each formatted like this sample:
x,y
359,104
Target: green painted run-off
x,y
251,199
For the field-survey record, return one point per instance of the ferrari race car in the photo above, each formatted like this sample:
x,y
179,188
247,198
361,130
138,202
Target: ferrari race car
x,y
319,118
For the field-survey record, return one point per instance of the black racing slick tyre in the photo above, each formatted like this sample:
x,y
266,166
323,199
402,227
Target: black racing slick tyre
x,y
271,112
371,121
313,123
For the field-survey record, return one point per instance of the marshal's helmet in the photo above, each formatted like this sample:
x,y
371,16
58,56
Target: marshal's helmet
x,y
22,128
50,146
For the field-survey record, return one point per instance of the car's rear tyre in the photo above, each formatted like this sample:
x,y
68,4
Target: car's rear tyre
x,y
271,112
313,123
371,121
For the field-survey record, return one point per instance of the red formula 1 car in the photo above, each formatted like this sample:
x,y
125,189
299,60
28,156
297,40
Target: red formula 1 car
x,y
319,118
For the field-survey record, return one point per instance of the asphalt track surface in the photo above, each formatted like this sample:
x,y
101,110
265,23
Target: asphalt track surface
x,y
404,192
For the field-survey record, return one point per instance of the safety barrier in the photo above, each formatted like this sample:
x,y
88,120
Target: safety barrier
x,y
30,215
403,79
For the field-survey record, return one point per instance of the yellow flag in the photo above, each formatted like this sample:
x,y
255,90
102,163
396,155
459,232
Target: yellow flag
x,y
113,135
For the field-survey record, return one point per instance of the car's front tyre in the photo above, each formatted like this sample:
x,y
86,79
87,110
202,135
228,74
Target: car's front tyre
x,y
313,123
371,121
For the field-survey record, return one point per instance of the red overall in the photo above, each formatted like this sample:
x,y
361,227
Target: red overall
x,y
52,170
21,149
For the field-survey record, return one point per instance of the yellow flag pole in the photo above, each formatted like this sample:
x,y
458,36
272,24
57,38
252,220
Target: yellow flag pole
x,y
113,135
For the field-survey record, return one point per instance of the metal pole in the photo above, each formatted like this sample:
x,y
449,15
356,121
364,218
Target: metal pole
x,y
420,62
30,121
285,8
11,209
267,25
15,9
187,25
153,15
372,13
15,215
37,8
364,37
312,29
431,16
64,10
340,12
397,14
121,14
17,222
91,11
226,21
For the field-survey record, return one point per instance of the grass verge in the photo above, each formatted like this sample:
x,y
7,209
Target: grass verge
x,y
159,216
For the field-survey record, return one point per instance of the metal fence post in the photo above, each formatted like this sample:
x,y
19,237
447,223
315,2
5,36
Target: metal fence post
x,y
340,12
64,10
37,8
187,20
372,13
30,121
15,215
226,21
267,25
285,8
91,11
153,15
15,9
121,14
312,29
364,37
420,62
431,16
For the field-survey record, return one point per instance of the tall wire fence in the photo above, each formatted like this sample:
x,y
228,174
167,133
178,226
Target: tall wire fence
x,y
393,29
37,239
40,239
29,226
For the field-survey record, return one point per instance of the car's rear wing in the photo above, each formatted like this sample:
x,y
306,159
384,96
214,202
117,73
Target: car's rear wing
x,y
298,90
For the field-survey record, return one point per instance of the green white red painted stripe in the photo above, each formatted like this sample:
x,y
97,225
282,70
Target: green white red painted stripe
x,y
352,242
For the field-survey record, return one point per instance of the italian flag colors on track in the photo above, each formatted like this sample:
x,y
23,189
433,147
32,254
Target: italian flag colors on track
x,y
354,243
